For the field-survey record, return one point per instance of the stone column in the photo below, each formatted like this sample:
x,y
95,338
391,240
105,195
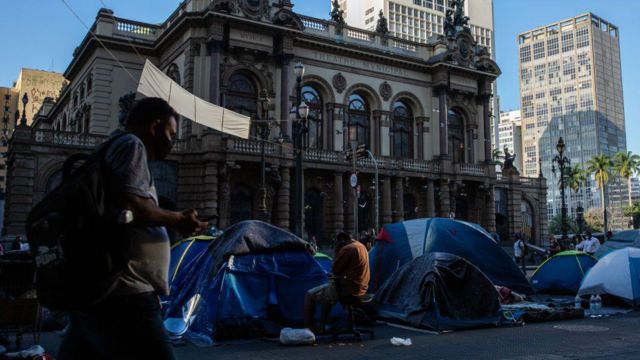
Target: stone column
x,y
210,189
453,191
485,97
215,48
284,198
491,210
386,201
398,195
224,194
21,175
515,203
431,201
285,127
444,199
420,140
338,203
442,122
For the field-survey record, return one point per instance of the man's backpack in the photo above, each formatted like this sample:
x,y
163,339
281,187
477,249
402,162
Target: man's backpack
x,y
79,248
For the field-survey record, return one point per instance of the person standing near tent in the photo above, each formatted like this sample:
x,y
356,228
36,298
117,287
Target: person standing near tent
x,y
520,251
128,324
350,270
589,245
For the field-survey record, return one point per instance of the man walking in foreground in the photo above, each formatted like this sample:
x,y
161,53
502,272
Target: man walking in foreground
x,y
350,270
128,323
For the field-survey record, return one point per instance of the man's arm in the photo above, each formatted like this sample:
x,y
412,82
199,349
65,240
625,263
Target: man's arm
x,y
147,213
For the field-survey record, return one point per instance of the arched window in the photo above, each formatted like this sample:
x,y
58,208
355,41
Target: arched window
x,y
402,130
86,119
528,223
358,119
53,182
242,96
456,136
313,99
174,73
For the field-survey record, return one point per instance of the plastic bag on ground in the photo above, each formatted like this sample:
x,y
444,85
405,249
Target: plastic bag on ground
x,y
396,341
289,336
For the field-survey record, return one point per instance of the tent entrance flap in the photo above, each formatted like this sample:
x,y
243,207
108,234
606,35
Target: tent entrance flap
x,y
155,83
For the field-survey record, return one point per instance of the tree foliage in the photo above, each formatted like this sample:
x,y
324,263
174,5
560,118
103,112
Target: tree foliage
x,y
594,219
555,226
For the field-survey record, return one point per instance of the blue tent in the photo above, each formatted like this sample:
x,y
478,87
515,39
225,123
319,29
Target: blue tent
x,y
562,273
247,283
399,243
185,251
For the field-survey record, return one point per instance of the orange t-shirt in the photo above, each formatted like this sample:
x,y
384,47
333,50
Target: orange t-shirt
x,y
352,263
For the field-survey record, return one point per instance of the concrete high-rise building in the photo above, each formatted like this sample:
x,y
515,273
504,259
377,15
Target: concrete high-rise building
x,y
510,134
635,188
571,87
419,20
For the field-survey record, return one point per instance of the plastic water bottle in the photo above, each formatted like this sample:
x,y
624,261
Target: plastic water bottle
x,y
577,302
592,304
598,301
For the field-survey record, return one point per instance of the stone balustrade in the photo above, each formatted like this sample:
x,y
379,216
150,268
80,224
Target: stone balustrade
x,y
60,138
472,169
355,36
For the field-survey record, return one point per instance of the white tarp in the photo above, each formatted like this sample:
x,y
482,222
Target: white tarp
x,y
155,83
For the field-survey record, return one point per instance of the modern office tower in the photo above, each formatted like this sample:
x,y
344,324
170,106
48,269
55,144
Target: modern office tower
x,y
571,86
510,134
418,20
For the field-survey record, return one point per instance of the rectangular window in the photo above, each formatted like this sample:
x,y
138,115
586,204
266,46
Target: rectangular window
x,y
538,50
525,54
567,41
553,46
582,37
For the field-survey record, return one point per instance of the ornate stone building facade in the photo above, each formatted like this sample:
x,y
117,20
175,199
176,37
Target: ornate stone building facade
x,y
422,109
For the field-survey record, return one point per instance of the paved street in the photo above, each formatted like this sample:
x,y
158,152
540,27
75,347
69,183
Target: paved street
x,y
615,338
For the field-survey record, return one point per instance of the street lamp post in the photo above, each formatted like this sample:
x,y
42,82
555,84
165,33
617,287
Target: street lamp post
x,y
375,162
299,129
562,162
264,129
25,100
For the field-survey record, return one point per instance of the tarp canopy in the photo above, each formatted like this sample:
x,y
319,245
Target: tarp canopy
x,y
623,239
254,276
185,251
155,83
562,273
617,274
399,243
438,292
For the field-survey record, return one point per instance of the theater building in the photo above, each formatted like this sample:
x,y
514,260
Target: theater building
x,y
422,110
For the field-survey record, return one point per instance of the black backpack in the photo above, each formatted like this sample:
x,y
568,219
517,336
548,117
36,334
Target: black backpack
x,y
78,246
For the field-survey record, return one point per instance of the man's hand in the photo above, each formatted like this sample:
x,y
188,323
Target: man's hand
x,y
189,223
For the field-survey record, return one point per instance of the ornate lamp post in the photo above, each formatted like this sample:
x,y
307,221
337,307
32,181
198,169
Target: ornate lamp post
x,y
264,129
562,162
299,129
25,101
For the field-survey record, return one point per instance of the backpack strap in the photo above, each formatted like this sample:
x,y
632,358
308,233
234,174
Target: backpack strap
x,y
69,166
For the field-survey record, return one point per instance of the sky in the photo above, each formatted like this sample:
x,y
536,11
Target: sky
x,y
42,34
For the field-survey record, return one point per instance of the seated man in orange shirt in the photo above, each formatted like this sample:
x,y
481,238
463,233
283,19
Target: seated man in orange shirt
x,y
350,269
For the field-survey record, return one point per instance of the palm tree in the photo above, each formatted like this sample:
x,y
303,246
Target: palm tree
x,y
600,166
497,157
574,178
626,164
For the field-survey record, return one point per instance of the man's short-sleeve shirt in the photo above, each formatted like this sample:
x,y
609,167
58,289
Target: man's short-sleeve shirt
x,y
148,266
